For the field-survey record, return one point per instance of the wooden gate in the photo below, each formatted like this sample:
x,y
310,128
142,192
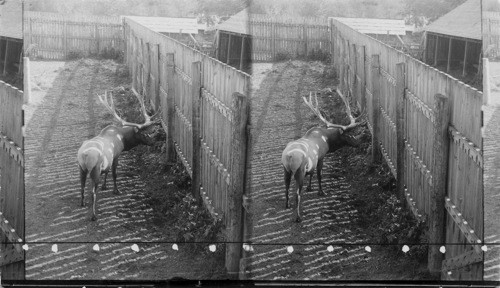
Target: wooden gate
x,y
11,183
427,127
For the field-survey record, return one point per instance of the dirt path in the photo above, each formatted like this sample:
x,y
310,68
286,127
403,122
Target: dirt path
x,y
68,115
279,117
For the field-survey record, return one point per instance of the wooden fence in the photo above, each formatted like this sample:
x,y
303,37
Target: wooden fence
x,y
11,183
205,109
278,37
61,36
427,126
491,33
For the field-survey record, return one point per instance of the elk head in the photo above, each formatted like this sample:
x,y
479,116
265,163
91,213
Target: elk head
x,y
345,136
138,133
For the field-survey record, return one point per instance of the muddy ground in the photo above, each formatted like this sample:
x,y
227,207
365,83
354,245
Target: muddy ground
x,y
360,208
64,115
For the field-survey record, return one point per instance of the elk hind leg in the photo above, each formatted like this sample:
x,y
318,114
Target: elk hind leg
x,y
104,186
299,179
309,187
95,174
288,178
83,179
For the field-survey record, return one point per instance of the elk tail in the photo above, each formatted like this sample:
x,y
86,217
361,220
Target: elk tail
x,y
293,160
88,160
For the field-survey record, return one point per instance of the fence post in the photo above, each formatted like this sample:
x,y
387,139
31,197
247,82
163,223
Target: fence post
x,y
196,95
438,190
133,62
147,71
65,39
486,81
341,65
238,166
5,58
363,79
376,153
273,41
401,128
26,80
170,150
157,79
355,75
228,50
304,32
242,54
97,38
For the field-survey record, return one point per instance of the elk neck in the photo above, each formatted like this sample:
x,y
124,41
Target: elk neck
x,y
122,137
328,139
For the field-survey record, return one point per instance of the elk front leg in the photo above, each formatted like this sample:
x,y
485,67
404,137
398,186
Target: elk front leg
x,y
299,179
319,167
288,178
83,178
113,171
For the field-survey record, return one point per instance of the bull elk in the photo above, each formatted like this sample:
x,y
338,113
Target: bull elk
x,y
305,155
100,154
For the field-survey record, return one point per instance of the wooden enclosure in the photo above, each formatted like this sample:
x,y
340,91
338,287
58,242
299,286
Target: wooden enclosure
x,y
10,56
452,53
280,38
427,126
61,36
205,108
235,50
491,34
11,183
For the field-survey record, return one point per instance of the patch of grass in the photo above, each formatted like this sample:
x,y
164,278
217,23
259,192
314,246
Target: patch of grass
x,y
319,55
282,56
106,53
74,55
111,53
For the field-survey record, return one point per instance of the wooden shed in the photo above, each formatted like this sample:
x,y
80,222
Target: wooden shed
x,y
11,37
453,42
234,43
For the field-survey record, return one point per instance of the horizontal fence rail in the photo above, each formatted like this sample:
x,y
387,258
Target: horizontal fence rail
x,y
275,38
400,94
61,36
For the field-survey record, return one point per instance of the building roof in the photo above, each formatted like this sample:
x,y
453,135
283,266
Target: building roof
x,y
11,19
238,23
375,26
167,24
463,21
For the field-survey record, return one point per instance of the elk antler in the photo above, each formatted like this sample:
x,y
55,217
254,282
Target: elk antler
x,y
144,112
108,103
316,111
